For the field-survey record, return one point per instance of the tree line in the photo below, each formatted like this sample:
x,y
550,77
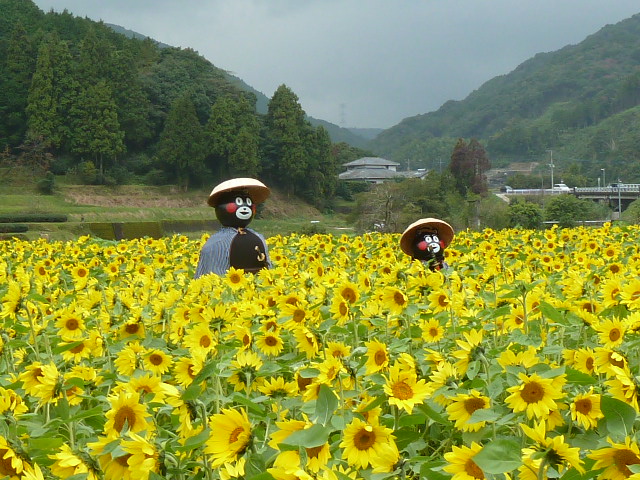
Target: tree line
x,y
75,96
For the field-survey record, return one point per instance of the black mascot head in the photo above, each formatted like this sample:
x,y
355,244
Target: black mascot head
x,y
426,240
235,201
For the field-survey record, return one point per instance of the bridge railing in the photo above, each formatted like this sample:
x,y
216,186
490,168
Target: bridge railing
x,y
628,188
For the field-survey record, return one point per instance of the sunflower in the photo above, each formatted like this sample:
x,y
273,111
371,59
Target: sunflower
x,y
349,291
394,300
377,356
584,360
149,386
200,339
236,279
443,380
157,361
337,350
585,409
278,387
114,466
470,348
439,300
270,343
126,414
67,463
142,456
246,366
317,457
70,324
630,294
623,387
46,384
536,396
462,408
367,444
11,402
556,453
607,360
402,388
340,309
230,436
526,358
307,342
432,330
461,462
611,332
128,358
11,464
616,459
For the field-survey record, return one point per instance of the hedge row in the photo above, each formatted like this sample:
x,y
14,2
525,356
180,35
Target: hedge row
x,y
128,230
32,218
13,228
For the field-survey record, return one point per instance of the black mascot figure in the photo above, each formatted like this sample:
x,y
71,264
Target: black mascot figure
x,y
426,240
235,245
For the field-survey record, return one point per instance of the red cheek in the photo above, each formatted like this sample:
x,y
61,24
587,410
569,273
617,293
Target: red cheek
x,y
253,209
422,245
231,207
441,244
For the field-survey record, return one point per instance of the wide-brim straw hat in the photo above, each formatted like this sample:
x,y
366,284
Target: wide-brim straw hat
x,y
445,232
255,189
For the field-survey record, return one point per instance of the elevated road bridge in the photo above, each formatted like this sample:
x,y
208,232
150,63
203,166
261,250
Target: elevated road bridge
x,y
613,195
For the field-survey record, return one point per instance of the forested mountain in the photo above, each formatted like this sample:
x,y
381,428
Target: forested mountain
x,y
581,102
336,133
76,96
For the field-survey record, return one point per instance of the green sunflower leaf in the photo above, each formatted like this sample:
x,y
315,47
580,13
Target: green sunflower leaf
x,y
314,436
618,416
499,456
326,404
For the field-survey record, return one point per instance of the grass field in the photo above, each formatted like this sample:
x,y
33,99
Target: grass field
x,y
84,204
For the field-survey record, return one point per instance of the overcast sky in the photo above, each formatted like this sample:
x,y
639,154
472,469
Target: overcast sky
x,y
362,63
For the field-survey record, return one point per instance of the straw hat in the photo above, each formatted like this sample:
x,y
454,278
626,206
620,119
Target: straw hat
x,y
445,232
255,189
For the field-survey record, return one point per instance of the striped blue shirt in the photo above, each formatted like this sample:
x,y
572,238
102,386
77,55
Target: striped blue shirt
x,y
214,255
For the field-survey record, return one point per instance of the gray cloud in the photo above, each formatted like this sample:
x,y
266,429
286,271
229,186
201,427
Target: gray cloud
x,y
363,63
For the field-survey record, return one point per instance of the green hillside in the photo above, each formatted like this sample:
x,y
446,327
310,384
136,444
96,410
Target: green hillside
x,y
580,102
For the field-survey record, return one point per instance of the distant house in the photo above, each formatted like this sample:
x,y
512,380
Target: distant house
x,y
376,170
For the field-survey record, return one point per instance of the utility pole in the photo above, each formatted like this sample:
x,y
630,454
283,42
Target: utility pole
x,y
551,165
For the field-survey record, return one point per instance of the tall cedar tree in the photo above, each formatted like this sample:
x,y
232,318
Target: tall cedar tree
x,y
182,141
18,64
95,128
287,132
232,135
52,93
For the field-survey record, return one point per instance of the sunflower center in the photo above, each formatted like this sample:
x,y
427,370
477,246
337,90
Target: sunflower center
x,y
235,434
625,457
155,359
402,390
473,470
78,348
532,392
72,324
190,371
303,382
433,332
6,466
131,328
270,341
614,334
399,299
205,341
81,272
124,414
443,301
298,315
588,307
584,406
365,438
589,363
122,460
615,362
349,294
473,404
343,309
380,357
235,278
313,452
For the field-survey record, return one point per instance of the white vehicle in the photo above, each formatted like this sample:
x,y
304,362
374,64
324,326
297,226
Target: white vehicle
x,y
561,187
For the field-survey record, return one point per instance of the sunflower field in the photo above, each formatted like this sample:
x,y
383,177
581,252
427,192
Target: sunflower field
x,y
346,360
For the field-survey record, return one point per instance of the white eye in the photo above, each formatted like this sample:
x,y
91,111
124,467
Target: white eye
x,y
427,238
238,201
436,239
248,202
